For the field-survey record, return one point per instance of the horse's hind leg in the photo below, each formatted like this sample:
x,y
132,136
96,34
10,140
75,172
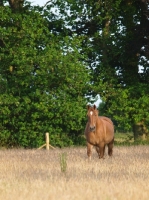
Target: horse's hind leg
x,y
110,148
89,150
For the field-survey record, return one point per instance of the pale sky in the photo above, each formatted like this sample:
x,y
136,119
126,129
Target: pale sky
x,y
38,2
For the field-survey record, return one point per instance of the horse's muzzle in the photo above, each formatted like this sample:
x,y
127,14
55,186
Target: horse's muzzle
x,y
92,128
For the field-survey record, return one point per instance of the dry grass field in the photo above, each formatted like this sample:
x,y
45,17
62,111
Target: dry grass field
x,y
37,174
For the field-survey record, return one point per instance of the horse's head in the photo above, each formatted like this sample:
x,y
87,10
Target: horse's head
x,y
92,114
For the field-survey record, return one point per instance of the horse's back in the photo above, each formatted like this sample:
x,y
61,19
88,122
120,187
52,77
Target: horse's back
x,y
106,119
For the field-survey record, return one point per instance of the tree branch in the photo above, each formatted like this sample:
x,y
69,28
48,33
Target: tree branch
x,y
46,4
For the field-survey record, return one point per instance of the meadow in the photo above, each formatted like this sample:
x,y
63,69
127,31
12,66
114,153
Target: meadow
x,y
66,174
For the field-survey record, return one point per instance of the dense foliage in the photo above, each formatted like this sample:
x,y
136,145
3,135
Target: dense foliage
x,y
43,79
117,42
53,57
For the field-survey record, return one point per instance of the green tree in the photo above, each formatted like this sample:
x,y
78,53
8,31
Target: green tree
x,y
127,99
53,58
116,41
43,79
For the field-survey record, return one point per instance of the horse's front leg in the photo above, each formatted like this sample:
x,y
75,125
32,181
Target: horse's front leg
x,y
102,151
98,150
89,150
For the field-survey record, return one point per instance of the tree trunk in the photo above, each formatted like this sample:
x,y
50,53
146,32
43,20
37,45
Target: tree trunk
x,y
1,3
16,4
140,131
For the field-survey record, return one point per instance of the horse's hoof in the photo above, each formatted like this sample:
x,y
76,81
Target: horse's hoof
x,y
102,157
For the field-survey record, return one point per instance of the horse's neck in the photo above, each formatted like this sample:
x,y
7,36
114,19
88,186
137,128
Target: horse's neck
x,y
99,122
100,125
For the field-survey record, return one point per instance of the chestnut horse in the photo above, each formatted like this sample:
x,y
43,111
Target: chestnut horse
x,y
99,132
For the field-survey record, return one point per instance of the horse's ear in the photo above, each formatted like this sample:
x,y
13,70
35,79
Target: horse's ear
x,y
88,106
94,106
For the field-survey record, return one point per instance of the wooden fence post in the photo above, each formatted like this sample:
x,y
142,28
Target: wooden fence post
x,y
47,144
47,141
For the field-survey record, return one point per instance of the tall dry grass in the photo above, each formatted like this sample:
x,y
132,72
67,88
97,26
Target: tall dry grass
x,y
36,174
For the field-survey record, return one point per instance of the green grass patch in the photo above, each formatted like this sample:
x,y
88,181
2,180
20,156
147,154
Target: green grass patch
x,y
127,139
124,138
63,162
